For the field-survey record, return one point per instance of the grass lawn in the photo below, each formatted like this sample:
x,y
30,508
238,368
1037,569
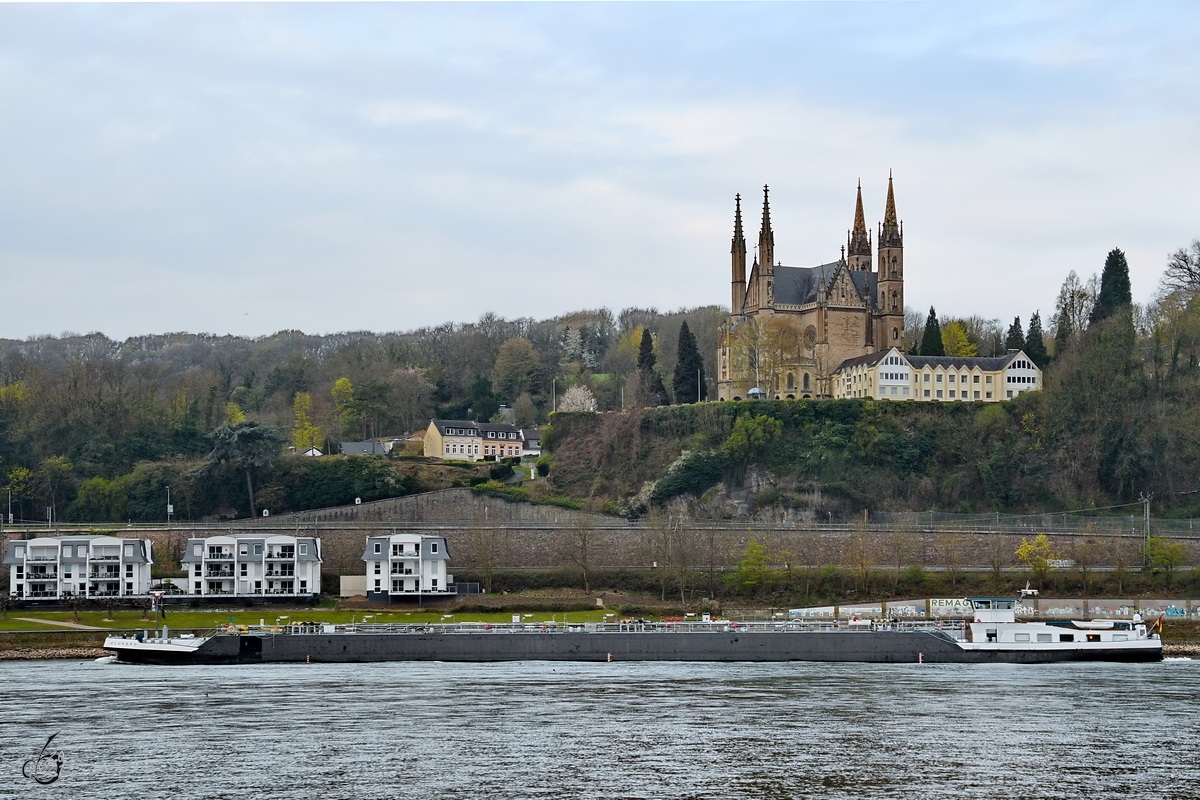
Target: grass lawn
x,y
210,618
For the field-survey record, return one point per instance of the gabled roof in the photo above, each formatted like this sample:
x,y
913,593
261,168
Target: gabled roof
x,y
474,427
985,363
799,286
363,449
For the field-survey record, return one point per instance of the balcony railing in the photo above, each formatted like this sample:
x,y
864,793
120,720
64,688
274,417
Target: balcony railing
x,y
42,594
41,576
32,557
280,591
220,556
278,574
104,576
219,573
103,594
280,556
219,591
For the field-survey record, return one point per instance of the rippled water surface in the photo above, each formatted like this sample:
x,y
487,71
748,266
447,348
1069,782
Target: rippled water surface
x,y
605,730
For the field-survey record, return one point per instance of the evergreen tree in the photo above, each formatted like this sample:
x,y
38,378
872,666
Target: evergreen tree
x,y
1035,342
688,383
653,392
1016,336
931,342
646,358
1115,291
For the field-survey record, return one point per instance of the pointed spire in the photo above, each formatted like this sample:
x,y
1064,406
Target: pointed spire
x,y
766,237
860,244
890,235
738,236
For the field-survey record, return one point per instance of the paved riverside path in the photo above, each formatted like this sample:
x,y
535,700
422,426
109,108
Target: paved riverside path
x,y
75,625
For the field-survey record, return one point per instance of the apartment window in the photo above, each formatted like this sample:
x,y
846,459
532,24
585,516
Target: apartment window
x,y
927,393
19,552
976,396
906,391
245,570
397,586
952,377
976,379
952,392
433,584
258,586
197,569
377,584
128,588
258,549
939,377
1010,394
66,551
129,570
417,549
198,550
433,547
989,395
939,394
129,551
304,587
243,550
303,549
378,548
378,567
197,589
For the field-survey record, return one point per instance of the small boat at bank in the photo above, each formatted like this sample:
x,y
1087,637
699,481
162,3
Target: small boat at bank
x,y
993,634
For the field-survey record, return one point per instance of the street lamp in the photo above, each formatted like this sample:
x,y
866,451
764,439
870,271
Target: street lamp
x,y
170,508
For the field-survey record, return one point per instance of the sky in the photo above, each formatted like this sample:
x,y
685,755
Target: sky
x,y
248,168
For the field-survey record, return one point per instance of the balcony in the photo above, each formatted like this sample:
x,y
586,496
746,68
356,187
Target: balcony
x,y
42,576
105,558
32,557
280,591
103,594
219,555
42,594
280,574
281,555
218,591
104,576
219,573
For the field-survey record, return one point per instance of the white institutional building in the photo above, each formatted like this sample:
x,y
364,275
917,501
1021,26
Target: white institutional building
x,y
56,568
407,564
253,566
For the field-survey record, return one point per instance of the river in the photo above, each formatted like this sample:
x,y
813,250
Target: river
x,y
620,730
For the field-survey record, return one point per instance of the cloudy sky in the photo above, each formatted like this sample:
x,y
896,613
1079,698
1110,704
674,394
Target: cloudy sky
x,y
248,168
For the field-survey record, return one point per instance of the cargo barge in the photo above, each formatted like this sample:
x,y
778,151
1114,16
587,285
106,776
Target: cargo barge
x,y
992,635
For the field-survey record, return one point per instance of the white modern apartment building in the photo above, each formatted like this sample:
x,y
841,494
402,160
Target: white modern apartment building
x,y
57,568
407,565
253,566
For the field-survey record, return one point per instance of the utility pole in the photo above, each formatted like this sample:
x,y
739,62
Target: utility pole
x,y
1145,498
697,386
170,508
553,395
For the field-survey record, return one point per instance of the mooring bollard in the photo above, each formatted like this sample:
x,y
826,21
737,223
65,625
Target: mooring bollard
x,y
920,658
610,657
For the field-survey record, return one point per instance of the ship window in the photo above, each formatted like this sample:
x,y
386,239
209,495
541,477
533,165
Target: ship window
x,y
991,634
1066,637
1021,637
1043,637
1093,637
1120,637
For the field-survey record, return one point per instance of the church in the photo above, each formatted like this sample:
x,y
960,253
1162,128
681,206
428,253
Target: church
x,y
790,328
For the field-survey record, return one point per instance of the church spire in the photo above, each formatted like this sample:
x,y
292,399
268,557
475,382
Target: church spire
x,y
766,237
891,235
860,241
739,259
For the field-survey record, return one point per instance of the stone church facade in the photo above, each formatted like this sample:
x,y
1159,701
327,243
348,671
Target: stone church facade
x,y
790,328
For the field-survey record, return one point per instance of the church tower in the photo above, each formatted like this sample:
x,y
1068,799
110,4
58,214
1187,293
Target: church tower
x,y
891,274
739,260
766,256
858,241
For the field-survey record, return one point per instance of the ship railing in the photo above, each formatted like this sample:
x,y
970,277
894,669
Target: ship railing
x,y
956,630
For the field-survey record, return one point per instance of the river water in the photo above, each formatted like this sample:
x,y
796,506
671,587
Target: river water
x,y
636,730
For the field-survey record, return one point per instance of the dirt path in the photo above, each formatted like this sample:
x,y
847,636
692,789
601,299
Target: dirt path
x,y
74,625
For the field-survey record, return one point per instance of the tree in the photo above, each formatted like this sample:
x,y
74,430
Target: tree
x,y
931,341
688,382
752,575
955,341
54,474
1182,276
1037,556
516,368
412,398
750,436
653,393
20,482
1165,556
1035,341
577,398
345,407
581,542
1072,310
245,447
1116,295
1015,340
304,433
524,411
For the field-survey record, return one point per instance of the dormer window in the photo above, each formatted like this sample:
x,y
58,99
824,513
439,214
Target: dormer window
x,y
378,548
433,547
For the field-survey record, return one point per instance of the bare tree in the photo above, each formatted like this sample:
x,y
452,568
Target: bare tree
x,y
486,544
1182,276
581,540
951,547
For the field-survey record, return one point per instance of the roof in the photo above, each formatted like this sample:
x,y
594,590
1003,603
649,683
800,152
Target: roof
x,y
363,449
800,286
985,363
463,424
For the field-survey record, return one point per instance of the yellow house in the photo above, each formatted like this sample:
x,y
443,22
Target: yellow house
x,y
893,375
463,440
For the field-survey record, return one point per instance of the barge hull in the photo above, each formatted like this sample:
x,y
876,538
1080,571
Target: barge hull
x,y
882,647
